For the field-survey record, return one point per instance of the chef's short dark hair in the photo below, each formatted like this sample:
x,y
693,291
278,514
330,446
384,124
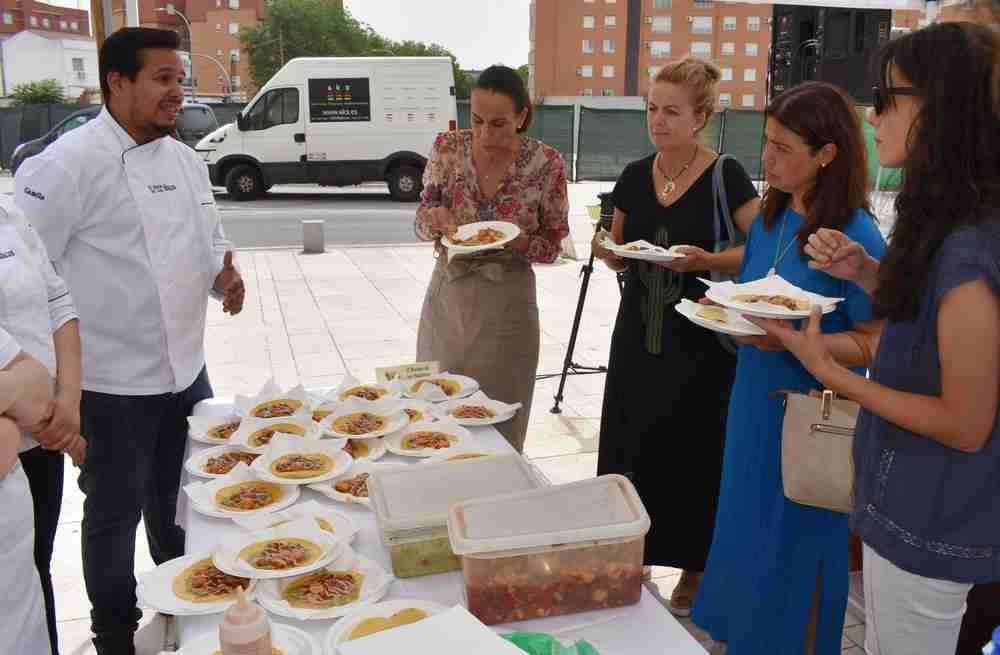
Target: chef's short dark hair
x,y
122,52
506,80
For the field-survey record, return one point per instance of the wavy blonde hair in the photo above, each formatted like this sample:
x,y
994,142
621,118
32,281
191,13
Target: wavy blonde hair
x,y
700,77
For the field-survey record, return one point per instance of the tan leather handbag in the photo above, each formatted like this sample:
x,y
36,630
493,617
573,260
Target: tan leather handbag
x,y
817,465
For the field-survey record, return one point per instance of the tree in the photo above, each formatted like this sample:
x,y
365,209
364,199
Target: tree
x,y
40,92
524,72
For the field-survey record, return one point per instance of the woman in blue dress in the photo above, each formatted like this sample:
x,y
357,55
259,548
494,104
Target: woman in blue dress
x,y
776,580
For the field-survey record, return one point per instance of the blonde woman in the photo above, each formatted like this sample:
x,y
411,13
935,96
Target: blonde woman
x,y
664,416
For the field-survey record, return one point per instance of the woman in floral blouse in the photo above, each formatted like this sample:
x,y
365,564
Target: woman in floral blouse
x,y
480,314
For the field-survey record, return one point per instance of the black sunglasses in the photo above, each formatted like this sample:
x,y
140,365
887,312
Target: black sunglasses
x,y
880,95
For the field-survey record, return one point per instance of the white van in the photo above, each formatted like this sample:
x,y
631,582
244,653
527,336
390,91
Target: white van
x,y
337,121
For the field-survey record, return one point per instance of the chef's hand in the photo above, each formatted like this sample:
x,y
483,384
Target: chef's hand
x,y
443,221
230,283
62,427
694,259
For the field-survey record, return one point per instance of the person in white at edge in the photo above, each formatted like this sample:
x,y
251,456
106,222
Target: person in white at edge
x,y
25,399
37,320
127,214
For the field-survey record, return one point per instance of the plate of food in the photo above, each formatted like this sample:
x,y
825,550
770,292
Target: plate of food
x,y
770,297
339,525
323,409
644,251
478,409
255,434
190,585
273,402
428,438
717,319
481,235
291,549
239,493
219,461
361,419
379,617
291,460
365,450
351,387
337,589
213,430
418,410
351,487
285,640
441,387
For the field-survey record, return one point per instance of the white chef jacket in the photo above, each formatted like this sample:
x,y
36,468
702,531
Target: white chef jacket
x,y
135,232
34,300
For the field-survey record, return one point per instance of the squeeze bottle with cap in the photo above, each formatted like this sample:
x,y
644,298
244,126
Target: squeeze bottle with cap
x,y
245,629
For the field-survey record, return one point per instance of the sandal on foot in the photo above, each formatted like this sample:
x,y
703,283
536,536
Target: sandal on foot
x,y
681,602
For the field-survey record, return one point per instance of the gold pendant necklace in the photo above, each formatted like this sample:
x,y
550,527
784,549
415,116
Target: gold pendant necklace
x,y
671,184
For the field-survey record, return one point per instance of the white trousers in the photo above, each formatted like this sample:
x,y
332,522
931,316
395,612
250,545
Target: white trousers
x,y
22,609
908,614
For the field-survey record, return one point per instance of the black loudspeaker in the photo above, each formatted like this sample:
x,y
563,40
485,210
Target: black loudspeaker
x,y
827,44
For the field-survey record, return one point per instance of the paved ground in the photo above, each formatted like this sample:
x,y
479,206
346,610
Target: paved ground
x,y
314,318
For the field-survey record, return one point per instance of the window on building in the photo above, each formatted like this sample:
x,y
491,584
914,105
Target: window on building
x,y
588,46
8,18
750,49
610,2
659,48
586,71
701,25
46,23
276,107
589,2
728,48
725,99
701,48
727,74
609,46
63,25
588,22
218,27
753,23
703,4
652,71
236,84
234,28
663,24
75,26
77,64
610,21
218,53
729,23
607,70
234,54
218,3
663,4
234,4
749,100
607,92
33,21
749,74
587,92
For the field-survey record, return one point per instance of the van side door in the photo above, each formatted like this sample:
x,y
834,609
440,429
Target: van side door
x,y
274,135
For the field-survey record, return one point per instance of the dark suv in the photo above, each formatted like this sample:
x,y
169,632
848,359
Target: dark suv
x,y
194,122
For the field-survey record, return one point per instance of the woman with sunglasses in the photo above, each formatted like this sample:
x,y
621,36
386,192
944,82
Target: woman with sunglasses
x,y
927,449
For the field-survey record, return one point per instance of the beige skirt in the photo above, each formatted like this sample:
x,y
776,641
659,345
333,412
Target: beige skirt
x,y
480,319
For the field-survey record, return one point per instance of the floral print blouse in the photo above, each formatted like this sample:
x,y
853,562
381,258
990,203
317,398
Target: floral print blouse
x,y
532,194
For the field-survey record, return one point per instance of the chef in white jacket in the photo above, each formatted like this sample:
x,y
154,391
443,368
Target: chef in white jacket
x,y
129,220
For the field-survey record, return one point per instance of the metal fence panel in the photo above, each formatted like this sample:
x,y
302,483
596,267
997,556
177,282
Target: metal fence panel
x,y
553,125
609,140
742,137
464,115
10,131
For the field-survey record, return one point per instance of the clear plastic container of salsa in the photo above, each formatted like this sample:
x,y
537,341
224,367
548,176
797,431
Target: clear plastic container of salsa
x,y
547,552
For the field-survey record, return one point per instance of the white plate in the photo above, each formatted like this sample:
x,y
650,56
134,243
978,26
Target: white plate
x,y
198,427
155,589
291,494
469,230
373,588
447,454
503,411
342,628
270,391
721,293
390,409
342,462
376,449
425,408
737,325
651,252
344,527
447,426
292,641
251,426
195,463
226,554
328,490
466,387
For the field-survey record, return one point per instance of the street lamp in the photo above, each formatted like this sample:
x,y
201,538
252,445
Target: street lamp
x,y
171,10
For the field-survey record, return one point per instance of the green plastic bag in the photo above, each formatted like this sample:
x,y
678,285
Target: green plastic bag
x,y
538,643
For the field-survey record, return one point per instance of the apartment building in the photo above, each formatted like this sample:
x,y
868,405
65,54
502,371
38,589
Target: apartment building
x,y
612,47
20,15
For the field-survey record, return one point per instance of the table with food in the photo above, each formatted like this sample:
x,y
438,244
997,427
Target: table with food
x,y
354,514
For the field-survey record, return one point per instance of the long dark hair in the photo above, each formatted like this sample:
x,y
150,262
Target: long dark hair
x,y
506,80
952,170
821,113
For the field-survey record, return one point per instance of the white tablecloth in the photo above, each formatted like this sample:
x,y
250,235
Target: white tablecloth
x,y
620,631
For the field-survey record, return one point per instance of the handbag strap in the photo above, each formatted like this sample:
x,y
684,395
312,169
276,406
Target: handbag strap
x,y
720,202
